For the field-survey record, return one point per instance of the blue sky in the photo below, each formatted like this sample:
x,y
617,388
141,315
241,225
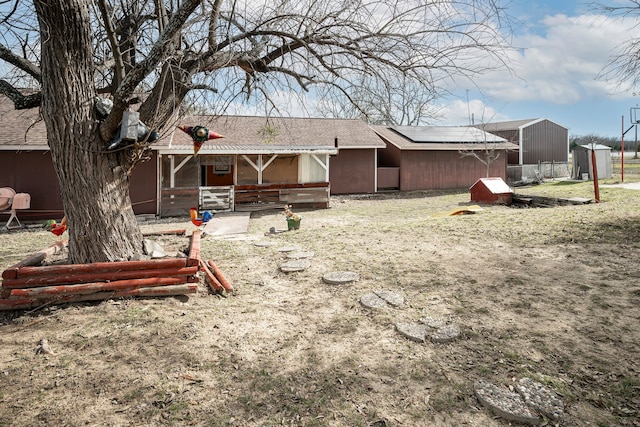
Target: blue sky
x,y
564,45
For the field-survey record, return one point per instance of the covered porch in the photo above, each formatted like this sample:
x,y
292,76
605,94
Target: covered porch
x,y
242,182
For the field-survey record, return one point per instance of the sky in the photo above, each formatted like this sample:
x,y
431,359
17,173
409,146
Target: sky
x,y
562,47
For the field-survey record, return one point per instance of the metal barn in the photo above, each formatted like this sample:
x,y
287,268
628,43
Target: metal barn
x,y
542,147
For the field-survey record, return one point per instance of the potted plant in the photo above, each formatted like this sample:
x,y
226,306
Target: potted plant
x,y
293,219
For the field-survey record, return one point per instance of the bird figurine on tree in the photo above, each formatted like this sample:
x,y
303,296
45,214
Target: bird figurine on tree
x,y
199,134
206,217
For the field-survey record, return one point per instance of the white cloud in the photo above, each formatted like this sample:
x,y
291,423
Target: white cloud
x,y
460,112
561,65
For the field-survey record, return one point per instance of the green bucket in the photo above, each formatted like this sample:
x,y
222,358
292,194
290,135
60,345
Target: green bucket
x,y
293,224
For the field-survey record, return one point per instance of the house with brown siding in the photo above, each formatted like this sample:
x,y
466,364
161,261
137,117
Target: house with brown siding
x,y
543,146
260,163
439,157
266,162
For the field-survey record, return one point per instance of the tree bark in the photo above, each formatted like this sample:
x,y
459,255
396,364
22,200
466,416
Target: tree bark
x,y
94,183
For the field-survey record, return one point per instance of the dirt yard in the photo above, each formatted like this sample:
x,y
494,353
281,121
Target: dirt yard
x,y
551,294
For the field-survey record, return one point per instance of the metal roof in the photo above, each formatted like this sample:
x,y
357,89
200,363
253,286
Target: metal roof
x,y
595,147
495,185
511,125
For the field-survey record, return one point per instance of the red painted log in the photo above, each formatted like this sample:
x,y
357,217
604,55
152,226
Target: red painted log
x,y
68,279
194,249
211,280
48,292
218,273
99,267
17,304
34,259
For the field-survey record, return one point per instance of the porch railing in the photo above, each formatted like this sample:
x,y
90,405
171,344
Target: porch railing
x,y
274,196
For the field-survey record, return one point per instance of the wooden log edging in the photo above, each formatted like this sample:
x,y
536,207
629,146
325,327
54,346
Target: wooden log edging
x,y
70,278
53,291
26,285
33,259
221,278
171,290
215,286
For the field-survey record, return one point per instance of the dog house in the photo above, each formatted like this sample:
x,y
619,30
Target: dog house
x,y
491,190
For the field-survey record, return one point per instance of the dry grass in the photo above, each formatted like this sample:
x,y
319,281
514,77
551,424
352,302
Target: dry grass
x,y
547,293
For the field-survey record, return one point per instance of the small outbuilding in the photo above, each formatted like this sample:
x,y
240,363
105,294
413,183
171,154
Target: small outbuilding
x,y
491,190
438,157
583,161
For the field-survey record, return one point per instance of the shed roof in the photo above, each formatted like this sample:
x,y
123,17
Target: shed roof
x,y
441,138
512,124
595,147
494,185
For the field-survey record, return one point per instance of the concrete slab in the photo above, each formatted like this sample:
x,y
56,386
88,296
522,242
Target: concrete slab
x,y
225,223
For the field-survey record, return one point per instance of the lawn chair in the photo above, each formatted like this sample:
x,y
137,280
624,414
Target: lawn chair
x,y
10,202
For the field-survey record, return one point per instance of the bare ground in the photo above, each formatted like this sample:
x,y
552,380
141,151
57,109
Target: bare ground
x,y
551,294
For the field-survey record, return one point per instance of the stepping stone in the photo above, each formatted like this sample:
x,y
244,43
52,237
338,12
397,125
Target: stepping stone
x,y
446,333
265,244
540,398
299,254
504,403
340,277
288,249
373,301
434,322
412,331
392,298
295,265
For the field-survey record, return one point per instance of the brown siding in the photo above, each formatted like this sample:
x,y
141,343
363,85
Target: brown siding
x,y
32,172
544,142
427,170
352,171
143,186
389,156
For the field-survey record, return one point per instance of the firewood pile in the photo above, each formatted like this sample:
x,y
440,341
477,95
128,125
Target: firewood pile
x,y
28,284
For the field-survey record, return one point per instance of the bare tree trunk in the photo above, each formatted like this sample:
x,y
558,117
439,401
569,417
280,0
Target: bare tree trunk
x,y
94,184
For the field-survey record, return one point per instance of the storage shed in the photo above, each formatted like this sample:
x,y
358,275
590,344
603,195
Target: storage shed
x,y
491,190
583,164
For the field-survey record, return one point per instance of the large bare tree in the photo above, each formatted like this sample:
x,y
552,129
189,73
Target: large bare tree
x,y
63,55
623,69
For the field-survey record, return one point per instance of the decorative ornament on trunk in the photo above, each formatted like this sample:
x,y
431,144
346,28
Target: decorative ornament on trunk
x,y
199,134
